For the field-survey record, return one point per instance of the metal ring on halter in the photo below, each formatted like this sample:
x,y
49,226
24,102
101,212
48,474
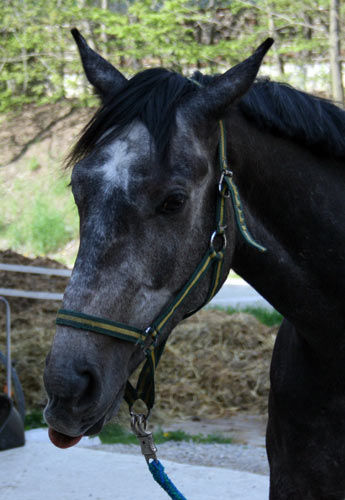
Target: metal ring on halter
x,y
222,234
139,417
138,423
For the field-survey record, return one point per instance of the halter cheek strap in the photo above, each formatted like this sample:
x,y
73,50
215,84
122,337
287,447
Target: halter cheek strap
x,y
148,337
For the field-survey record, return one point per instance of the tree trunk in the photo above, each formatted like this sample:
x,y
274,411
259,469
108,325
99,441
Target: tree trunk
x,y
334,52
274,34
104,36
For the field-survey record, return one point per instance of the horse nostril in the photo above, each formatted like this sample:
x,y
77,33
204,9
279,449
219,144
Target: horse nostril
x,y
88,384
82,382
75,381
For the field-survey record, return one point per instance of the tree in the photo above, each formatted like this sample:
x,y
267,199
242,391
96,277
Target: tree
x,y
334,51
39,61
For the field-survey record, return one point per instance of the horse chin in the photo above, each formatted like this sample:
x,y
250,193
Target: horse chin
x,y
67,426
62,440
96,428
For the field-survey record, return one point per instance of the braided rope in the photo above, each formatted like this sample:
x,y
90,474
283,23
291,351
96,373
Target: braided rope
x,y
157,471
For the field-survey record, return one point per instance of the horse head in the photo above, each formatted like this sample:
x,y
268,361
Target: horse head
x,y
145,180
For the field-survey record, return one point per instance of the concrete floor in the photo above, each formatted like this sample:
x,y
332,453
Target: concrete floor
x,y
39,471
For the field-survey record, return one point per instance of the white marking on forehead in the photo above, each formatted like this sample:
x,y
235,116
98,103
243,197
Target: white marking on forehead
x,y
132,144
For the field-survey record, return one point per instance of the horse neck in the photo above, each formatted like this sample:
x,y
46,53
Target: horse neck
x,y
294,205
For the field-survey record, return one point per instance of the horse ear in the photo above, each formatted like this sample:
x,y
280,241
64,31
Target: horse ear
x,y
101,74
213,99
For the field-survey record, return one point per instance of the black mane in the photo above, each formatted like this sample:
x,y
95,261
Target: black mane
x,y
153,95
315,122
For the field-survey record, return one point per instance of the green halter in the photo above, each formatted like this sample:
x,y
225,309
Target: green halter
x,y
148,337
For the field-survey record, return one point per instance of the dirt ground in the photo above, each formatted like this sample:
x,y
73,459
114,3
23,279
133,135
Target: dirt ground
x,y
32,323
41,131
242,428
214,366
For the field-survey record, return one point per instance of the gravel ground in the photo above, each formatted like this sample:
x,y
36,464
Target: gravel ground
x,y
247,453
232,456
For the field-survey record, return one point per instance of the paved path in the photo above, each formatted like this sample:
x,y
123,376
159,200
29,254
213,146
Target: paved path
x,y
237,293
39,471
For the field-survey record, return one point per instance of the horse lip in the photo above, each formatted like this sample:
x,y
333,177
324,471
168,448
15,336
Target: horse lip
x,y
86,427
96,428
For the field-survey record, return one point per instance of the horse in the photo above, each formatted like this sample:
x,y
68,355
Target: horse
x,y
146,181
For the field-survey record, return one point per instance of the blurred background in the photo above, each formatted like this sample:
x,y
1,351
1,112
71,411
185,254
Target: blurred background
x,y
45,98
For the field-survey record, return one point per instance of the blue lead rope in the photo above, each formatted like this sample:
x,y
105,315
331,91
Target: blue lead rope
x,y
157,471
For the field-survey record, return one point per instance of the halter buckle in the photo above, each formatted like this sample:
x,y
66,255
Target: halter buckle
x,y
150,338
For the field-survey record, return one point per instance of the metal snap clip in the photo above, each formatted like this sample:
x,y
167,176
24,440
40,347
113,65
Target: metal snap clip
x,y
147,445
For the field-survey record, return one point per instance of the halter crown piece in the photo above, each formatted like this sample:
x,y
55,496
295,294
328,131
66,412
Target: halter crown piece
x,y
147,338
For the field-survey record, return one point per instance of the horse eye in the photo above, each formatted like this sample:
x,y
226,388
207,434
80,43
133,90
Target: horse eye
x,y
172,203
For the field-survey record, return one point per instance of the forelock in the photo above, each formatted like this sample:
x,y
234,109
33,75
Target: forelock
x,y
151,97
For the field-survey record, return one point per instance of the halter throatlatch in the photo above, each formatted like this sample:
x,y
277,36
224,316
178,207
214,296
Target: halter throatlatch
x,y
147,338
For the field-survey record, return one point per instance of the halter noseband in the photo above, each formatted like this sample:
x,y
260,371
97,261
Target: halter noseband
x,y
148,337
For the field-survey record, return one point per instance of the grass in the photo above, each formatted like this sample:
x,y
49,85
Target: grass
x,y
40,230
116,434
38,212
33,164
34,420
265,316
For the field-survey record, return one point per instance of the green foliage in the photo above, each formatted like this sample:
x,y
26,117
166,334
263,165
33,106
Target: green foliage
x,y
115,433
39,61
179,435
42,227
265,316
33,164
34,420
38,212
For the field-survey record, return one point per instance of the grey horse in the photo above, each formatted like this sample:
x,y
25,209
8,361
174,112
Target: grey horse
x,y
145,180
